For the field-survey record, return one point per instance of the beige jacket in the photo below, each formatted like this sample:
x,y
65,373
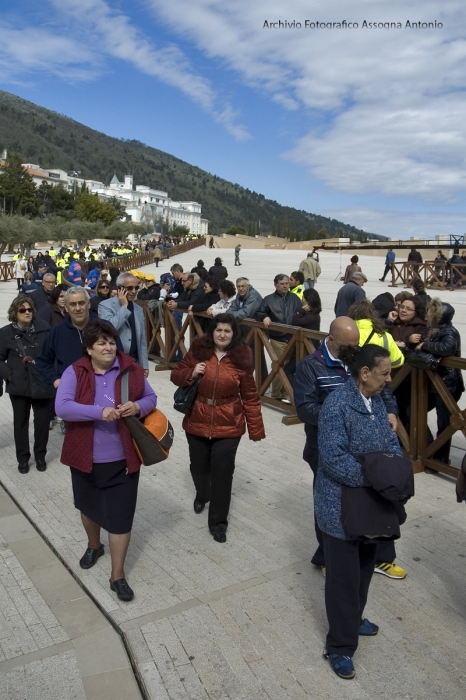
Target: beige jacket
x,y
310,269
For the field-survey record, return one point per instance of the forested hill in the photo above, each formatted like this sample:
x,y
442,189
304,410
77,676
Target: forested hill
x,y
51,140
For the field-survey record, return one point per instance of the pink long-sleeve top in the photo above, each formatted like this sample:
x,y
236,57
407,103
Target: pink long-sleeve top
x,y
107,445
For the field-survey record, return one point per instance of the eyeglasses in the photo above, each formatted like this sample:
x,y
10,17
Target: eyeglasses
x,y
132,288
25,310
104,286
406,308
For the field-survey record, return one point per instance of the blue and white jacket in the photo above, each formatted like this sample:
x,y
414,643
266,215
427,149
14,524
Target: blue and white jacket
x,y
347,428
316,377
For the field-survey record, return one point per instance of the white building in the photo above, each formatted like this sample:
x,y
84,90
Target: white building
x,y
143,204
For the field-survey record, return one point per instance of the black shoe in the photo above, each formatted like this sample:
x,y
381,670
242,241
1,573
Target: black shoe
x,y
198,506
90,557
121,588
41,465
23,467
219,536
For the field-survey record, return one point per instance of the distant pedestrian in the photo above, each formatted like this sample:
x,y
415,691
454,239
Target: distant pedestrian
x,y
311,270
211,242
389,260
351,269
237,252
218,270
157,255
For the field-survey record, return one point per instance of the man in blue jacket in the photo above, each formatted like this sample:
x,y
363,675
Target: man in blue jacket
x,y
389,260
63,345
317,375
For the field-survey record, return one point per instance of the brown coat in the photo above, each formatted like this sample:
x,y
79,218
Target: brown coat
x,y
228,382
402,331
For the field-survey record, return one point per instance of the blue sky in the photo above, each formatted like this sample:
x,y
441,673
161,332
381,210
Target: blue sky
x,y
366,125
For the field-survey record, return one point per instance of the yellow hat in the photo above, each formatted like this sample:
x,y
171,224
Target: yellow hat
x,y
150,278
139,274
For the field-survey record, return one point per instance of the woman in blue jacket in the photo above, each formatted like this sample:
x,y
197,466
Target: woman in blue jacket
x,y
352,421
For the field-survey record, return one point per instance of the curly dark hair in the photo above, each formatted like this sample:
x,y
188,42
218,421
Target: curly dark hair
x,y
227,287
17,304
212,282
95,330
237,338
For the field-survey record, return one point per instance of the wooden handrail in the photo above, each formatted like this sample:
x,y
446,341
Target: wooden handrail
x,y
165,339
434,274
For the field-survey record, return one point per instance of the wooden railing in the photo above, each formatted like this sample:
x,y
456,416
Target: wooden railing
x,y
165,340
122,262
436,275
6,271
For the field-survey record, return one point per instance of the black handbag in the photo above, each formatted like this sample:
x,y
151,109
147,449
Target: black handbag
x,y
36,389
184,397
424,360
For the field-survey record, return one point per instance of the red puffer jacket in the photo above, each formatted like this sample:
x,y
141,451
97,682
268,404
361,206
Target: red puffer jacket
x,y
227,397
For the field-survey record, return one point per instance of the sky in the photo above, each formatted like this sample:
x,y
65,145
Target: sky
x,y
365,124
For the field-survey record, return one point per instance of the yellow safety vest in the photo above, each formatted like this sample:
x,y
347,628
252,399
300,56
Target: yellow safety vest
x,y
299,291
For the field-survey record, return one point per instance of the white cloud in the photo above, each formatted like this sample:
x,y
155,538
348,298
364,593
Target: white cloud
x,y
23,51
116,36
401,224
393,100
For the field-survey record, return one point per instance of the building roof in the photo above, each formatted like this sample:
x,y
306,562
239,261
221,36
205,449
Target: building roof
x,y
114,180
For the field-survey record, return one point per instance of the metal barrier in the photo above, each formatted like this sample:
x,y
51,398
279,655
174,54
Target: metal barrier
x,y
165,339
434,274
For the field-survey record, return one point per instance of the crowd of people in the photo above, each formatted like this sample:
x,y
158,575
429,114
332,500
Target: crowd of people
x,y
87,337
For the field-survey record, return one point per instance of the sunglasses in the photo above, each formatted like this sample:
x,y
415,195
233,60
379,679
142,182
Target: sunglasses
x,y
132,288
24,310
104,286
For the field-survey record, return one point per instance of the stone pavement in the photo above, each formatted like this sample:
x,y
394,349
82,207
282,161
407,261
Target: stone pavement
x,y
243,620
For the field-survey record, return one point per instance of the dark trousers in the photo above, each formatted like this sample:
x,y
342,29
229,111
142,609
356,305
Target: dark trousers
x,y
386,552
21,411
212,467
386,271
178,316
350,566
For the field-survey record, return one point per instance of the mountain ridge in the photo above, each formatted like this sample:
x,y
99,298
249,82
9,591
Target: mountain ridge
x,y
51,139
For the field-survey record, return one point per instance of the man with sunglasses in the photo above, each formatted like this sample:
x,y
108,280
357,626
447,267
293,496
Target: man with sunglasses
x,y
127,318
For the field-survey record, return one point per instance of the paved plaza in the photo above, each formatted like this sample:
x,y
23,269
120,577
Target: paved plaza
x,y
240,621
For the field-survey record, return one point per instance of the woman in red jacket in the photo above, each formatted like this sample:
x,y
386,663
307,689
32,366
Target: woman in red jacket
x,y
227,400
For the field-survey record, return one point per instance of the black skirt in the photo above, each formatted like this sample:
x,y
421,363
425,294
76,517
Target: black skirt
x,y
107,495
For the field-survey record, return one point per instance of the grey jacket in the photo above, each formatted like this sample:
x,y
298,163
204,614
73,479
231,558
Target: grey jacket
x,y
349,294
246,307
111,310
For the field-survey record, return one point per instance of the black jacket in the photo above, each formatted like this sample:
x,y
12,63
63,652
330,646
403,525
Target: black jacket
x,y
209,299
40,298
445,341
279,309
193,296
151,293
220,272
306,319
415,256
376,513
11,368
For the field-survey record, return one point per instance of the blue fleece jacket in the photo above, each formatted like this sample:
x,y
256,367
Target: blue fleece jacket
x,y
347,428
